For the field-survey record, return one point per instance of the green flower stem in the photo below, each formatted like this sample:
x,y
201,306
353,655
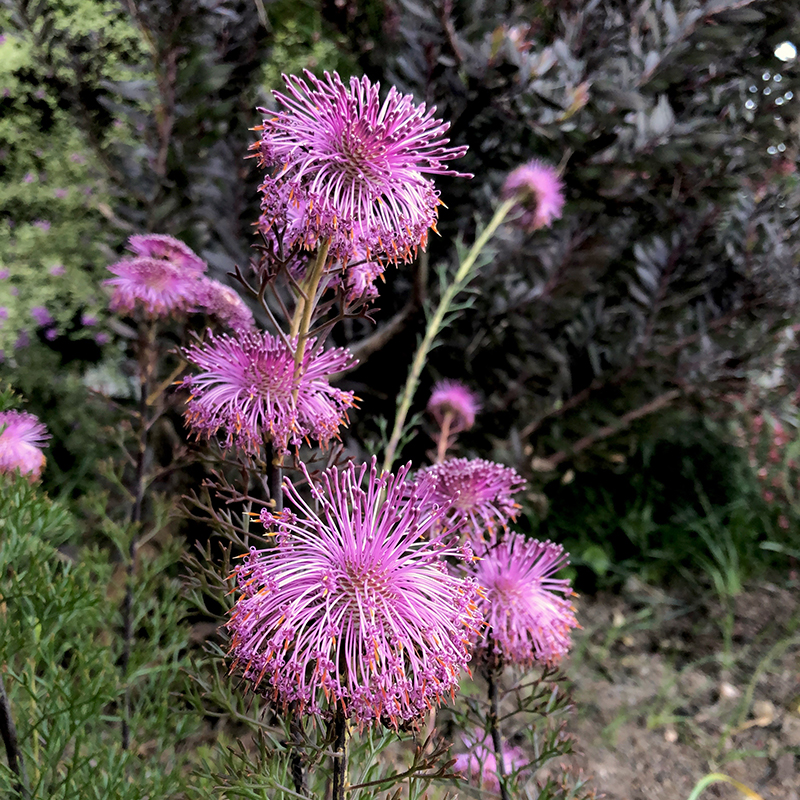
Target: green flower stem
x,y
462,278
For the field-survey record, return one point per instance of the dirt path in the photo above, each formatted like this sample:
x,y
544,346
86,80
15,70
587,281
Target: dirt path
x,y
662,699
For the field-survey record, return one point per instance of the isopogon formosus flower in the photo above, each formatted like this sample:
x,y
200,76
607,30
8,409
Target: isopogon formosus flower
x,y
162,246
22,437
158,287
223,303
455,399
353,607
481,492
479,763
355,165
249,390
540,192
528,615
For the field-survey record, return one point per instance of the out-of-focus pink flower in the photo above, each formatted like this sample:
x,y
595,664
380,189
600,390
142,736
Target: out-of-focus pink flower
x,y
101,338
41,316
4,273
353,608
455,399
60,194
478,764
540,192
42,224
158,245
29,177
223,303
58,270
159,287
22,437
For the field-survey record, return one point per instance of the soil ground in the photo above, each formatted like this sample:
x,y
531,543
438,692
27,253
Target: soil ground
x,y
668,688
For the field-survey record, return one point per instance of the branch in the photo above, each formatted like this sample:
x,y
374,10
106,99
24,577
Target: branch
x,y
9,733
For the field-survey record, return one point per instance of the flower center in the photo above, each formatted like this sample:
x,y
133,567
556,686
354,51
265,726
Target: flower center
x,y
273,378
365,581
363,153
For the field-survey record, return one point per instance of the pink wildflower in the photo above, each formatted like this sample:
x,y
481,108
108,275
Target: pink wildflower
x,y
41,316
540,191
247,387
58,270
455,399
21,438
356,165
360,280
528,616
479,763
353,608
159,287
159,245
481,492
225,304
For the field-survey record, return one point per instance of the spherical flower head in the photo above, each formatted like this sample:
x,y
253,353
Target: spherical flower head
x,y
41,316
481,492
156,286
455,399
223,303
249,389
528,614
540,192
159,245
22,437
353,607
479,763
356,165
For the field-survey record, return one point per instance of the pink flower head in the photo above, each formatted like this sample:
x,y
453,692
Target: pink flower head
x,y
360,277
222,302
58,270
540,191
159,287
355,165
22,437
159,245
479,763
249,388
528,616
41,316
353,607
481,492
455,399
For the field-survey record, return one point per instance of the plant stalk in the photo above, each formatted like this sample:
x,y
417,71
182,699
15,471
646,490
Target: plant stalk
x,y
492,676
435,325
444,437
145,360
340,755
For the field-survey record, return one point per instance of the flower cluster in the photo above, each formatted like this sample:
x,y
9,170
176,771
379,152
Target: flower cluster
x,y
250,388
350,169
528,616
479,493
22,437
353,608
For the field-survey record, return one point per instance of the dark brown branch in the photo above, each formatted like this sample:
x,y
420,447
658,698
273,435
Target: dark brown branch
x,y
492,675
9,733
662,401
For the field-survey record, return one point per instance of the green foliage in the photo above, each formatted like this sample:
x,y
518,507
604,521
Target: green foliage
x,y
59,644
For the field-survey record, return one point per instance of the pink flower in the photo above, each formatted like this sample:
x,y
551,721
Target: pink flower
x,y
58,270
355,166
455,399
21,438
42,224
353,607
249,389
481,492
60,194
41,316
158,245
540,192
222,302
525,608
479,763
360,280
159,287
